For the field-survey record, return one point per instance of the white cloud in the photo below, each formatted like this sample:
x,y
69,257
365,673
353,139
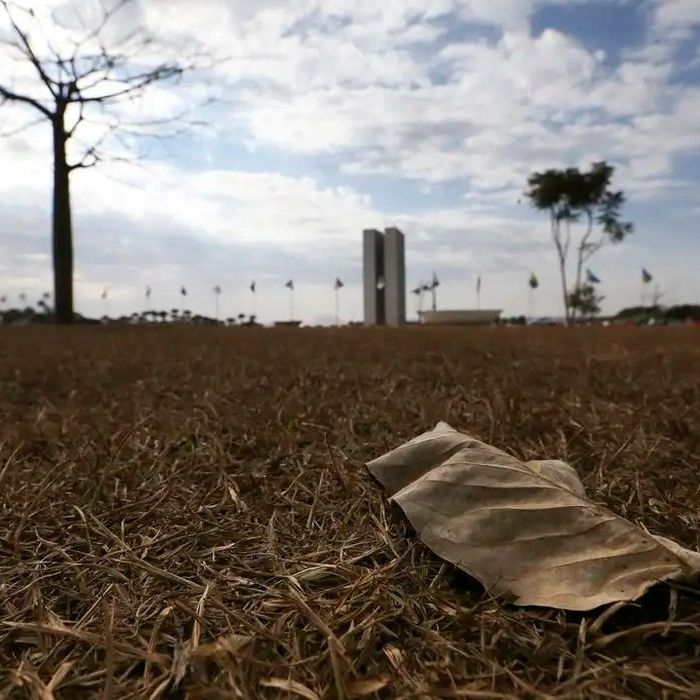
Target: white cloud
x,y
674,19
506,108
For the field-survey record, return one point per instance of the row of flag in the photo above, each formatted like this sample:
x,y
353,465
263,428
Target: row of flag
x,y
431,286
591,278
533,282
23,297
435,283
338,284
428,286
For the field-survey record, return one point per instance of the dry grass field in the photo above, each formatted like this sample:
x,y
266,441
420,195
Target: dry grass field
x,y
186,512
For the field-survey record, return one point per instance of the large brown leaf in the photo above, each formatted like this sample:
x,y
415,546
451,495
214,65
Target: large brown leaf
x,y
523,528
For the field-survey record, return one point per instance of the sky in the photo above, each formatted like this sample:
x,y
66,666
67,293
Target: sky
x,y
319,119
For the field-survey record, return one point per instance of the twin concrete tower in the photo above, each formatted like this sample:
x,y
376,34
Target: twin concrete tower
x,y
384,277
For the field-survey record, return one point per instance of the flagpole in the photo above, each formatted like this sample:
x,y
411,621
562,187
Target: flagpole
x,y
216,305
478,292
530,303
183,294
291,303
337,306
105,299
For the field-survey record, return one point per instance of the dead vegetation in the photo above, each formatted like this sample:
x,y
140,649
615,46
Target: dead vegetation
x,y
186,513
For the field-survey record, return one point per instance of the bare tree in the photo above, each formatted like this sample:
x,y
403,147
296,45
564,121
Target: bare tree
x,y
83,72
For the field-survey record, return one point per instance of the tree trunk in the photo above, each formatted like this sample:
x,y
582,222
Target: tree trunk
x,y
62,225
580,252
564,290
556,235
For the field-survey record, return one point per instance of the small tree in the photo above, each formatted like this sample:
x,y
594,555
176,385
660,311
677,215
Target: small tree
x,y
584,301
571,196
81,72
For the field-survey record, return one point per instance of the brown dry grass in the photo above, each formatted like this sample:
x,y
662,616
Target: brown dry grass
x,y
186,513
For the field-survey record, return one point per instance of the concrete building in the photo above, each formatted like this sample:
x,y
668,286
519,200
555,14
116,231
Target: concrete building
x,y
373,276
395,277
384,277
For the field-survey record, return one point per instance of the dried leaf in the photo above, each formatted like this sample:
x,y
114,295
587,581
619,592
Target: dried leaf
x,y
523,528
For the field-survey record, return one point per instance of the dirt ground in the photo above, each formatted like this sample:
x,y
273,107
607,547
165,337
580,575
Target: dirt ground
x,y
186,512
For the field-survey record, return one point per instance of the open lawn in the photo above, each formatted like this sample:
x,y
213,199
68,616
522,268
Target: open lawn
x,y
186,514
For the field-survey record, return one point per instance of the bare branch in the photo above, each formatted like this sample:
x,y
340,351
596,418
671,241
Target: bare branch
x,y
8,95
92,155
180,118
134,84
92,35
26,48
99,78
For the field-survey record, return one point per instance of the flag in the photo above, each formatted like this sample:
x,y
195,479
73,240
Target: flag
x,y
217,289
148,292
252,286
436,282
591,278
3,299
534,282
646,276
183,291
426,287
22,296
290,285
478,284
104,293
418,290
338,283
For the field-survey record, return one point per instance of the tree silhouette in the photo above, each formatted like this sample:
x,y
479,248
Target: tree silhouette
x,y
81,72
570,196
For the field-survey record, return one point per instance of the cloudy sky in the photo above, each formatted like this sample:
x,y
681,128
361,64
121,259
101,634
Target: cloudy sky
x,y
338,115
